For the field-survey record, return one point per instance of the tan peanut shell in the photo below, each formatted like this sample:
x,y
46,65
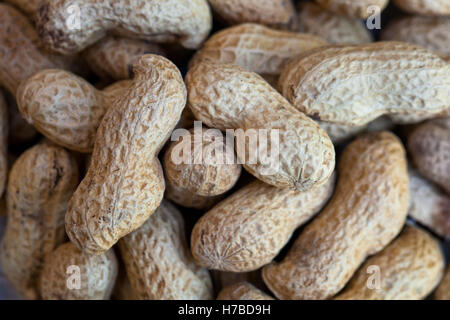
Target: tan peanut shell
x,y
367,211
242,291
353,85
225,96
333,28
97,274
159,263
249,228
425,7
4,129
186,22
29,7
256,48
429,32
66,108
443,291
429,205
113,57
40,185
278,14
429,147
361,9
124,184
408,269
199,165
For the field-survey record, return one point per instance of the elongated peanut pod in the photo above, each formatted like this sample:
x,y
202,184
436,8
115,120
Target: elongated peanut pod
x,y
113,57
408,269
225,96
443,291
361,9
40,185
355,84
69,274
66,108
159,263
279,14
256,48
425,7
367,211
243,291
4,129
248,229
124,184
186,22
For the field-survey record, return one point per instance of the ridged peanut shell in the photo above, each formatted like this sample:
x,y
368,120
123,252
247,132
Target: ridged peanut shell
x,y
443,291
425,7
159,263
4,130
242,291
360,9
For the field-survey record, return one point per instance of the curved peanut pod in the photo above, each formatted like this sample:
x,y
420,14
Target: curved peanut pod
x,y
367,211
355,84
249,228
443,291
279,14
361,9
408,269
124,184
429,205
256,48
40,185
425,7
113,57
429,32
159,263
29,7
335,29
429,147
225,96
66,108
243,291
186,22
69,274
4,128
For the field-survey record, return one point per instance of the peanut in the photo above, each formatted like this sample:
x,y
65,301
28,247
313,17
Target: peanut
x,y
256,48
425,7
242,291
353,85
124,184
226,96
210,171
354,9
409,269
443,291
3,143
367,211
279,14
113,57
187,22
40,185
66,108
333,28
158,261
97,274
249,228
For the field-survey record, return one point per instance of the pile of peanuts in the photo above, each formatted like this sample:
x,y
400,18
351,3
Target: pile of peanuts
x,y
95,115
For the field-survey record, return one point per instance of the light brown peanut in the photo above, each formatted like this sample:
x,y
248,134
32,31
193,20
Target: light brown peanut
x,y
425,7
367,211
4,129
443,291
97,274
243,291
66,108
124,184
354,9
40,185
159,263
225,96
408,269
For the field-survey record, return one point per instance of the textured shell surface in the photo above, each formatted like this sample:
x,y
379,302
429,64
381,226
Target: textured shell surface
x,y
256,48
425,7
40,185
124,184
249,228
367,211
159,263
225,96
187,22
410,268
353,8
443,291
97,273
356,84
4,129
243,291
